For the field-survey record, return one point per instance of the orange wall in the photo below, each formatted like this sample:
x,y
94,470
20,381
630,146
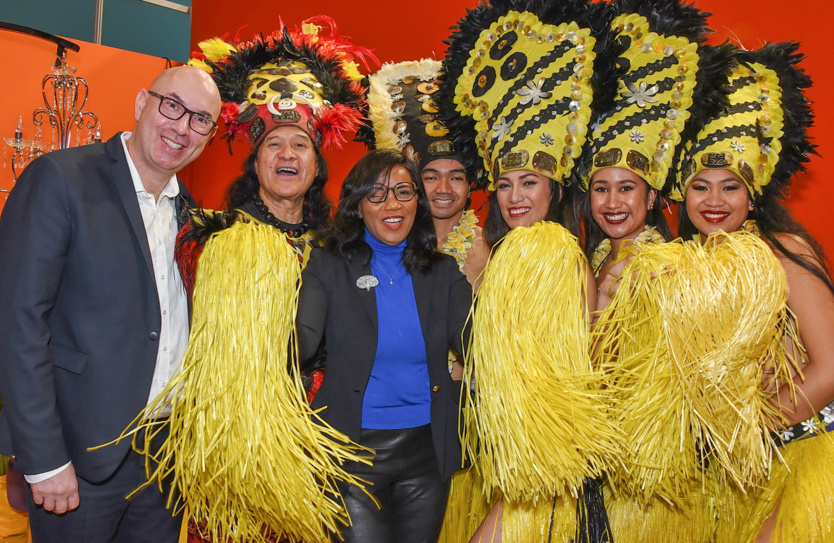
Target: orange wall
x,y
410,30
397,32
114,76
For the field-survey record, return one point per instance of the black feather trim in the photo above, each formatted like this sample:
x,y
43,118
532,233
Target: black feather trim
x,y
231,74
669,17
203,224
596,16
798,116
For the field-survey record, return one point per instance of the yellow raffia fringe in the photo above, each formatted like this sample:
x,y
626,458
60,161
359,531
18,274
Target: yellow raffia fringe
x,y
246,453
540,426
545,521
691,520
800,487
687,344
466,507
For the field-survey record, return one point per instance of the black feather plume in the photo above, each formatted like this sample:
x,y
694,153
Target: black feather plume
x,y
798,117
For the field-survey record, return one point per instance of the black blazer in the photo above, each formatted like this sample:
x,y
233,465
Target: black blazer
x,y
79,311
332,307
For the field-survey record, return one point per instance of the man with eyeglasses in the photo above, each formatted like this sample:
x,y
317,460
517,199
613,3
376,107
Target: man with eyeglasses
x,y
94,316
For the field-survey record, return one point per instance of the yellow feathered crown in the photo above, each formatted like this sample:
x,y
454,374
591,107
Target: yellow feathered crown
x,y
528,88
655,91
519,72
305,77
761,134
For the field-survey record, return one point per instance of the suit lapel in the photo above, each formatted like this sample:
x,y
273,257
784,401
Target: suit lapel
x,y
367,297
127,194
423,289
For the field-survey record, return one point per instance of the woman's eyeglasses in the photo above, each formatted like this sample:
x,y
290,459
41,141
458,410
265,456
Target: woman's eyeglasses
x,y
404,192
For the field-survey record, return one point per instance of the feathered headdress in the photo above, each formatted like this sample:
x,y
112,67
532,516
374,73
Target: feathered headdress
x,y
761,136
660,70
299,76
403,105
520,78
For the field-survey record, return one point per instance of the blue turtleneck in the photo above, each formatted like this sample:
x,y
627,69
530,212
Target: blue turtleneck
x,y
397,395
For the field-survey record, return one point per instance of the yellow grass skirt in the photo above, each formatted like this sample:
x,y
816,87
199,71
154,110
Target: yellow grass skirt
x,y
466,507
691,520
800,493
540,426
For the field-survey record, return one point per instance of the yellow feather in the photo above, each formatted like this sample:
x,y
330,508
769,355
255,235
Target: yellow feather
x,y
216,48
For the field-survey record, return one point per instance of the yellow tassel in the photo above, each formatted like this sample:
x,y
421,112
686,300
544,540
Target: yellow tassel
x,y
540,426
466,507
247,454
691,520
543,521
686,344
801,488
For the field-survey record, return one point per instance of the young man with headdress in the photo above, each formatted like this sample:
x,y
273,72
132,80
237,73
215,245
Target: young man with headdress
x,y
404,113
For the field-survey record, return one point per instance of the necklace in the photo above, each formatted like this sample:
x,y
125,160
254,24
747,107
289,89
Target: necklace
x,y
460,238
292,230
603,250
390,278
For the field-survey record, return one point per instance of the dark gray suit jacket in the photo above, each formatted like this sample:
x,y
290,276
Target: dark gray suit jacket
x,y
79,311
332,307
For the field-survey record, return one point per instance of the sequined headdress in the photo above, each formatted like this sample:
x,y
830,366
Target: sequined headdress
x,y
761,136
402,101
304,77
660,66
518,83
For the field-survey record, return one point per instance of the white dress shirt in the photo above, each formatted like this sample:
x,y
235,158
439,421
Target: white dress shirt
x,y
161,228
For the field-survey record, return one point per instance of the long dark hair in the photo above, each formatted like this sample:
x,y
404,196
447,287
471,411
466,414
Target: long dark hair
x,y
560,211
317,205
773,219
593,234
346,236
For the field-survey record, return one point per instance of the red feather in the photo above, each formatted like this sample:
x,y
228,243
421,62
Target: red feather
x,y
334,122
187,255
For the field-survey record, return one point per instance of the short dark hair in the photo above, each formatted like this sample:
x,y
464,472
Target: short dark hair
x,y
560,211
316,203
346,237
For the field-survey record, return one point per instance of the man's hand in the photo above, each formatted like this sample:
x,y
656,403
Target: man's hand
x,y
59,493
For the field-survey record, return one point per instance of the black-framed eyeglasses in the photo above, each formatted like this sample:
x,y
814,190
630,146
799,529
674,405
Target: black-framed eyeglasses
x,y
403,192
171,109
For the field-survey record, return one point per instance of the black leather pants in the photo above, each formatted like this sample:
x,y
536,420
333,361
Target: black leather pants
x,y
407,483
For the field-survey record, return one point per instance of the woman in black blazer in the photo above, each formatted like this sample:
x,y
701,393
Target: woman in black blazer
x,y
387,307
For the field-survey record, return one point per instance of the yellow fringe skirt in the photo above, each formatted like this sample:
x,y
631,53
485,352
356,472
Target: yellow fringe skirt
x,y
634,520
800,493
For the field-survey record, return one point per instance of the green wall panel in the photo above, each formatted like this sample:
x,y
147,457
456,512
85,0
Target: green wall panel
x,y
126,24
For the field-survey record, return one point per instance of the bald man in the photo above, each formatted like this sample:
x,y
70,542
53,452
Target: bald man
x,y
94,316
